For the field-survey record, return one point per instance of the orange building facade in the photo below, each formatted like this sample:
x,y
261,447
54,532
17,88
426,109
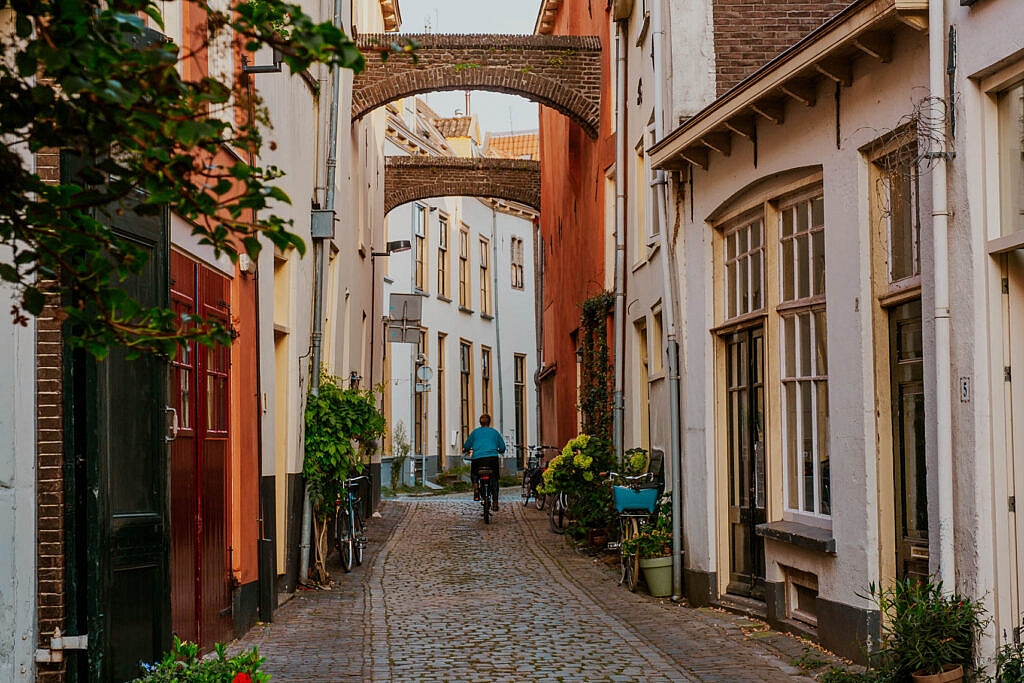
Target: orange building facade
x,y
577,184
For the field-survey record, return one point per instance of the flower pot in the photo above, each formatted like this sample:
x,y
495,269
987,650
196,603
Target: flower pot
x,y
597,538
658,575
950,674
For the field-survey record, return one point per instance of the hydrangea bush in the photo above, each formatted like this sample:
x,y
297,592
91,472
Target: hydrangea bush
x,y
577,472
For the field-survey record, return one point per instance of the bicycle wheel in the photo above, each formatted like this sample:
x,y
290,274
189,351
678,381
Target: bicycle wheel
x,y
487,508
558,517
629,564
359,538
346,549
539,499
526,487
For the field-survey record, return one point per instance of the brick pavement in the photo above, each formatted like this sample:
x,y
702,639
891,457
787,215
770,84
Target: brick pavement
x,y
442,596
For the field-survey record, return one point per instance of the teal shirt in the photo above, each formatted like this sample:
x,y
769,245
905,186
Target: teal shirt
x,y
485,442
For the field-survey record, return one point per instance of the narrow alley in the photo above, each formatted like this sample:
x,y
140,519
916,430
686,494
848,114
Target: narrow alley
x,y
441,596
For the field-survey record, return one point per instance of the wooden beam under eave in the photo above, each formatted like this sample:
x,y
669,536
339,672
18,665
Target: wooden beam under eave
x,y
916,19
839,70
804,92
677,163
773,111
743,126
720,142
877,44
698,156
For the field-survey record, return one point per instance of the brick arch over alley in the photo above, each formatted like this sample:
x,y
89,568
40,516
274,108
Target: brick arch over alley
x,y
560,72
408,179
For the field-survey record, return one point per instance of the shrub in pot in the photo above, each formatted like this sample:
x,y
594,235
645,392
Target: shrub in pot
x,y
576,471
653,546
927,635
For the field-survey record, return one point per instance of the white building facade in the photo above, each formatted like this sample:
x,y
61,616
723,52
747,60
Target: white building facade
x,y
472,263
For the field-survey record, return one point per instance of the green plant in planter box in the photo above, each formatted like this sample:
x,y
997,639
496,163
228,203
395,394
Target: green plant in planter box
x,y
184,665
924,629
1010,664
651,542
636,462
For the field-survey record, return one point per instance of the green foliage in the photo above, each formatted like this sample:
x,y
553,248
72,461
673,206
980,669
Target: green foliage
x,y
184,665
1010,664
341,426
146,137
636,462
577,472
837,674
654,540
401,448
925,629
596,371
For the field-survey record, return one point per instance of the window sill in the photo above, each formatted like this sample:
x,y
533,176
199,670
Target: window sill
x,y
798,534
443,298
487,316
637,265
417,290
463,309
656,376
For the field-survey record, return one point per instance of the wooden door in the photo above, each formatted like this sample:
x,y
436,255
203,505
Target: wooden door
x,y
909,459
117,532
200,545
745,433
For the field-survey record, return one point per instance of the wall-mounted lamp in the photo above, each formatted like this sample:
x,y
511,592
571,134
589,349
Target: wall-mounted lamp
x,y
264,68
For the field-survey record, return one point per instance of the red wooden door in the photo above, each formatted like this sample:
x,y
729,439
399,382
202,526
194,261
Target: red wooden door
x,y
214,568
184,474
200,474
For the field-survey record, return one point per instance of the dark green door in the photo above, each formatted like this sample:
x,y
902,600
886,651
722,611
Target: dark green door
x,y
907,368
119,586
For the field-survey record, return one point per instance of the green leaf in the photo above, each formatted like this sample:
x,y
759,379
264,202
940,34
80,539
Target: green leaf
x,y
33,300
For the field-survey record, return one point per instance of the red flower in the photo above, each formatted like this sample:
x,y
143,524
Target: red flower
x,y
241,677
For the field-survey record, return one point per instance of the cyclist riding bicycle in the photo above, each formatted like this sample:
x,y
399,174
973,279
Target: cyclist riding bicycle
x,y
487,445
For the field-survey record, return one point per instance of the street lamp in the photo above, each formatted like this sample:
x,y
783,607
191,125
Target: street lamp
x,y
392,247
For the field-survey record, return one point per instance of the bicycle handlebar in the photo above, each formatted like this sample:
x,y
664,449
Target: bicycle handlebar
x,y
349,482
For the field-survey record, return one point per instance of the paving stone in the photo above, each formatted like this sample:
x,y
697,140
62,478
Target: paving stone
x,y
442,596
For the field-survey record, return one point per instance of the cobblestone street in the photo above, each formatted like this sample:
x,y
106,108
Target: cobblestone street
x,y
441,596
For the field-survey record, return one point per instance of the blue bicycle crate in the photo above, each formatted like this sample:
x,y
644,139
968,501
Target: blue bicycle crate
x,y
634,499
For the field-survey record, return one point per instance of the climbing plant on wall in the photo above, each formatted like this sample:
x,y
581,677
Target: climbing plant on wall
x,y
596,373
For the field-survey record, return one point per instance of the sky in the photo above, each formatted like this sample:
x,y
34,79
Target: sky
x,y
496,112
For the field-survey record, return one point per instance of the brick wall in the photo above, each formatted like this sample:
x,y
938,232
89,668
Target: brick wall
x,y
50,463
409,178
749,33
562,72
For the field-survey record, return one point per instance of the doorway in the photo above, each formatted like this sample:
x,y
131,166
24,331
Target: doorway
x,y
746,458
906,351
200,546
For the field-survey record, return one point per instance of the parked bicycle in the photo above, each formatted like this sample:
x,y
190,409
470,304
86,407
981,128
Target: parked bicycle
x,y
349,534
558,512
636,502
533,476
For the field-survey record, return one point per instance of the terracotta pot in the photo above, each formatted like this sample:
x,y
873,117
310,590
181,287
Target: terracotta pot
x,y
598,539
950,674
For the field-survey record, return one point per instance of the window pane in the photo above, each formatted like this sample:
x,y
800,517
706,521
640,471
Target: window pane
x,y
730,247
807,446
755,234
742,292
741,236
789,390
730,292
787,270
787,222
755,279
801,216
820,336
824,485
818,211
802,267
805,344
1011,158
818,261
789,342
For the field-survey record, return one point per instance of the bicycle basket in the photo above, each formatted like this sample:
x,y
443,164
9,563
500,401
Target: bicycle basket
x,y
630,499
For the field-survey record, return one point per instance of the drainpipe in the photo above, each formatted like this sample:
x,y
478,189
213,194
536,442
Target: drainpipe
x,y
497,318
318,284
538,319
618,405
668,308
940,227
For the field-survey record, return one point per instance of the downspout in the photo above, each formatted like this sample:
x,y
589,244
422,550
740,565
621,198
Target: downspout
x,y
538,319
668,309
940,227
318,285
497,318
619,325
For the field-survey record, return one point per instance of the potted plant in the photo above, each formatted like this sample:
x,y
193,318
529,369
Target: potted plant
x,y
183,664
653,546
928,636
